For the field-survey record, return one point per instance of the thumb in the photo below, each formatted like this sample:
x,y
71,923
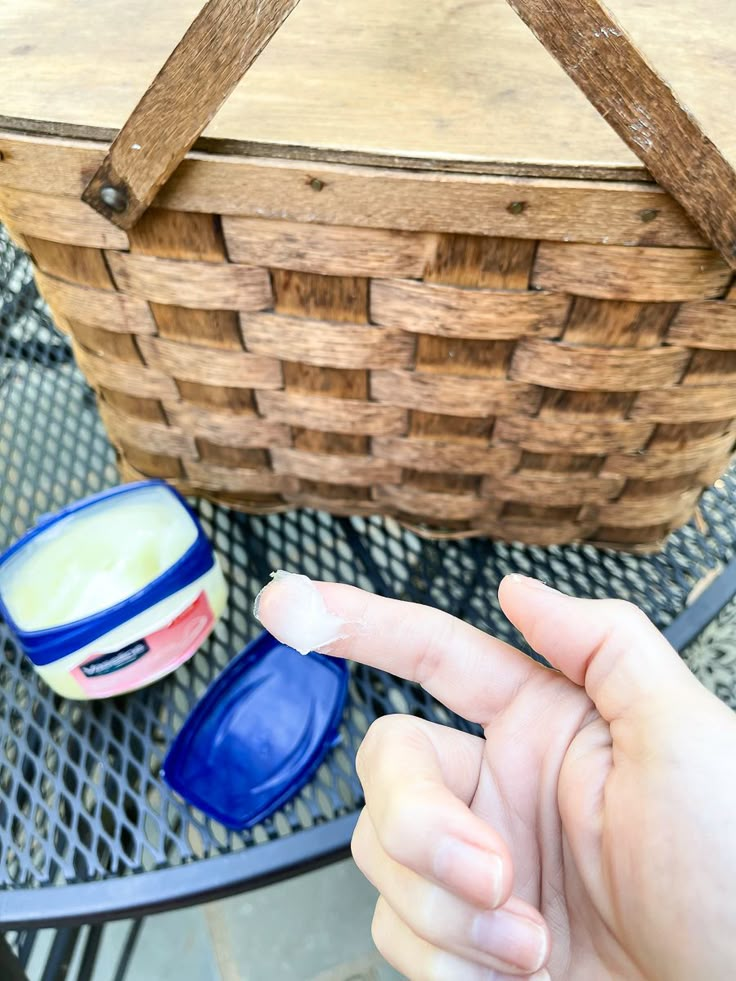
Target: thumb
x,y
609,647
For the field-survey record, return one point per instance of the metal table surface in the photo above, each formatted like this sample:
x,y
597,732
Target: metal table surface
x,y
88,830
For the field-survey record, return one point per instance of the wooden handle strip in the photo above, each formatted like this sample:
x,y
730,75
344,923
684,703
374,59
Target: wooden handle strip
x,y
634,99
222,43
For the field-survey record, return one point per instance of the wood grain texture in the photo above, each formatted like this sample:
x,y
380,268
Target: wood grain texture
x,y
228,428
186,235
206,328
210,367
232,456
557,364
536,464
333,51
576,434
178,235
539,117
203,285
606,405
633,511
708,325
342,493
127,378
673,436
710,367
434,202
221,44
316,441
47,166
106,343
339,345
441,483
448,311
687,403
150,410
340,298
454,395
343,299
432,505
75,263
670,461
332,414
552,490
644,540
154,436
344,383
475,260
98,308
563,210
58,219
443,456
615,273
328,249
462,429
217,397
139,464
236,480
618,323
638,487
536,531
642,108
351,470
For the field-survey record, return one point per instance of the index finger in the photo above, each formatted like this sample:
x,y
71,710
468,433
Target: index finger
x,y
471,673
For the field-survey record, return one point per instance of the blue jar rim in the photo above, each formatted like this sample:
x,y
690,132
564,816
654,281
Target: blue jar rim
x,y
46,646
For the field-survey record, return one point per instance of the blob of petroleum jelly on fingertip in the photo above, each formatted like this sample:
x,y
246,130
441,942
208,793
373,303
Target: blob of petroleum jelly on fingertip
x,y
309,626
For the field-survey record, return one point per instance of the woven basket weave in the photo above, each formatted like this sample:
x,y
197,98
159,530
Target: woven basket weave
x,y
531,359
534,390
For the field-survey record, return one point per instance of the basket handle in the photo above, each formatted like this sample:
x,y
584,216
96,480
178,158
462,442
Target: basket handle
x,y
637,102
221,44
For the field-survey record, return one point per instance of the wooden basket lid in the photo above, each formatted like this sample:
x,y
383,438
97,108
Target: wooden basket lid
x,y
451,83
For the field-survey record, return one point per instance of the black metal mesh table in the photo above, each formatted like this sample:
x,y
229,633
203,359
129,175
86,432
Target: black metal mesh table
x,y
88,831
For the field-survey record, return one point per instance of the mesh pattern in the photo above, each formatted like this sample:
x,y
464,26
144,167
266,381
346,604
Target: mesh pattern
x,y
80,795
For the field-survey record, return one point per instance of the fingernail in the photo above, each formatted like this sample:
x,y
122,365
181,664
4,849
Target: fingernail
x,y
300,618
530,582
459,865
513,939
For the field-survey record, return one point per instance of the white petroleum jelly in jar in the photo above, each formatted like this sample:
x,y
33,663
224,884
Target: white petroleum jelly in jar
x,y
114,592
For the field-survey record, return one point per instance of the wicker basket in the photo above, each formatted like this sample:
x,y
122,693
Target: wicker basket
x,y
529,358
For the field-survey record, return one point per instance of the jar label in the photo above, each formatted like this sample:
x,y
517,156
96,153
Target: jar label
x,y
149,658
107,663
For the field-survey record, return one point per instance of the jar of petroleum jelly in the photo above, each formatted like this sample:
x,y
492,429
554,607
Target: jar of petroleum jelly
x,y
113,592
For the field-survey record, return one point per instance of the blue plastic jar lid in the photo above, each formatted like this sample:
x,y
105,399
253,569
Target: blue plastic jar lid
x,y
48,645
259,732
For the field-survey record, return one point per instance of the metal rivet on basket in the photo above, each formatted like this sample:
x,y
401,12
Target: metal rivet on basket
x,y
114,197
516,207
649,214
316,184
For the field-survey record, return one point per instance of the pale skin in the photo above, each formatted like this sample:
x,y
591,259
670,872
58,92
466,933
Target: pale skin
x,y
590,835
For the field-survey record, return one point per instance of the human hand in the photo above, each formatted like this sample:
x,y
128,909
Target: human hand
x,y
590,835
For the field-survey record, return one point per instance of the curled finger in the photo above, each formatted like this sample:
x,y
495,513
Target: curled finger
x,y
420,960
419,779
513,939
